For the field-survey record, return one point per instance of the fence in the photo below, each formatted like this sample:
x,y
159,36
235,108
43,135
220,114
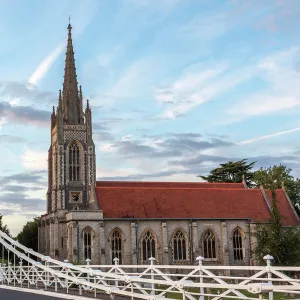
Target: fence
x,y
30,269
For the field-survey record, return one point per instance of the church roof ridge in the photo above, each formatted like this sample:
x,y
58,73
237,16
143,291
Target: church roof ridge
x,y
165,202
177,188
168,184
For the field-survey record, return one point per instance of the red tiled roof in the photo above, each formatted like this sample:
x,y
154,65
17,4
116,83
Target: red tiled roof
x,y
151,184
186,200
284,206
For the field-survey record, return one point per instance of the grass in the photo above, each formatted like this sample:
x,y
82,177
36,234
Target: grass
x,y
174,295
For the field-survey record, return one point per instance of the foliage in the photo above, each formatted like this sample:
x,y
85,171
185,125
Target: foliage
x,y
3,227
275,177
270,178
271,237
282,243
232,172
29,234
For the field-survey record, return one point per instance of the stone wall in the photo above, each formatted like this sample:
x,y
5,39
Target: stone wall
x,y
60,237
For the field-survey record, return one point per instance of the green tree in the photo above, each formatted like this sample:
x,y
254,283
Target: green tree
x,y
274,239
3,227
232,171
274,177
29,234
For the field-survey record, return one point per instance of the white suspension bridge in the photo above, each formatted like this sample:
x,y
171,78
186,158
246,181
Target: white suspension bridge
x,y
27,269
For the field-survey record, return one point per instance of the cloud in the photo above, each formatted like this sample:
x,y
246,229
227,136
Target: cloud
x,y
183,88
24,115
33,177
281,89
82,15
15,92
6,138
263,105
203,164
194,89
163,146
205,26
19,188
15,204
42,69
21,203
264,137
134,80
34,160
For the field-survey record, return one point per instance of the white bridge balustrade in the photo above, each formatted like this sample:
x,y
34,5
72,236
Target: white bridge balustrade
x,y
29,269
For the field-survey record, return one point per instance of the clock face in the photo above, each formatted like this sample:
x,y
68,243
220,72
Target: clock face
x,y
75,197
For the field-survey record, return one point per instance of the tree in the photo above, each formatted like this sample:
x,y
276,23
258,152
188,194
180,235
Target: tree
x,y
274,177
232,172
29,234
272,238
3,227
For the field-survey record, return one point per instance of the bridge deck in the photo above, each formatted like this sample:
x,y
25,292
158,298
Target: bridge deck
x,y
17,293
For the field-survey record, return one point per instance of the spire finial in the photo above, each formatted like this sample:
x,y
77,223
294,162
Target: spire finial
x,y
87,104
69,26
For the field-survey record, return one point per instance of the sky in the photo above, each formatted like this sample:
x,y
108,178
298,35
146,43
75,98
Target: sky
x,y
176,88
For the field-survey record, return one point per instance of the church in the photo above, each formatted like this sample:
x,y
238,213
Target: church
x,y
174,222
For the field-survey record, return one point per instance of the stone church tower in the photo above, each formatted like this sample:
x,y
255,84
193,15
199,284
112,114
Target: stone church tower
x,y
71,198
71,158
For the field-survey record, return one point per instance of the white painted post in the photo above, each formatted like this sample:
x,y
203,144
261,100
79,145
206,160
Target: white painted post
x,y
8,267
88,261
9,271
116,261
3,270
21,271
268,258
14,267
66,280
200,260
55,277
28,268
152,259
95,290
2,254
1,274
47,275
37,274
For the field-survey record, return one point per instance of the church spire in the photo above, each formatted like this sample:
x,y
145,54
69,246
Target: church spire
x,y
71,102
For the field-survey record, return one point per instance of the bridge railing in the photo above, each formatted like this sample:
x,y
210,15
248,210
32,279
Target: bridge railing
x,y
145,281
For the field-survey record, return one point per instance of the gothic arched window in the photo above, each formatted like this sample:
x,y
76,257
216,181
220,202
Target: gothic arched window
x,y
179,248
209,245
87,243
148,244
74,162
238,245
116,246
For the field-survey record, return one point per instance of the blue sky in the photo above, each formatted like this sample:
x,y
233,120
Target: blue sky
x,y
176,87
